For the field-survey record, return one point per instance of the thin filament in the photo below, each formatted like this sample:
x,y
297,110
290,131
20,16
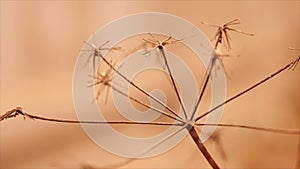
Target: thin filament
x,y
137,87
272,130
172,79
143,104
291,64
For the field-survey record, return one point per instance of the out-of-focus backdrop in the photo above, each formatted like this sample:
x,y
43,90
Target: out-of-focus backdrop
x,y
40,42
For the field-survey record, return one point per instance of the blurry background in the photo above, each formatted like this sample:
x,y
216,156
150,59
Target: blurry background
x,y
40,42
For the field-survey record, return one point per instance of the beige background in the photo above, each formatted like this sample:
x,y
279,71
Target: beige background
x,y
39,47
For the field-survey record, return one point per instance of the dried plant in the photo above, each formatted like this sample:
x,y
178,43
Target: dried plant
x,y
104,81
95,52
160,46
222,33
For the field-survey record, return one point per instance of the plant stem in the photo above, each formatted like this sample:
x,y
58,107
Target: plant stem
x,y
144,104
202,90
161,49
272,130
202,148
288,66
137,87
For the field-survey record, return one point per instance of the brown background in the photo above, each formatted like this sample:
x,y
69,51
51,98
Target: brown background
x,y
39,47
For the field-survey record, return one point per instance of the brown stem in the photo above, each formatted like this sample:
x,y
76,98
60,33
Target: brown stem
x,y
202,90
288,66
137,87
19,112
144,104
202,148
271,130
161,49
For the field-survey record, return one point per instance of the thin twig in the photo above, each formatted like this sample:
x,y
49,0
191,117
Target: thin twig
x,y
203,149
104,80
20,112
144,104
160,45
272,130
173,81
202,90
291,64
220,35
137,87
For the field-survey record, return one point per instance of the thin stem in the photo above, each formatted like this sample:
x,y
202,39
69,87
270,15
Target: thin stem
x,y
210,67
202,90
18,111
143,104
137,87
280,131
203,149
291,64
172,79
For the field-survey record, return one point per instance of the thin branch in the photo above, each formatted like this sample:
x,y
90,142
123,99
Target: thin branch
x,y
272,130
104,80
221,33
203,87
144,104
288,66
160,45
161,49
137,87
20,112
203,149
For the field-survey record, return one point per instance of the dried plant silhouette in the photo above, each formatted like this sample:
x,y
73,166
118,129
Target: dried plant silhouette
x,y
160,45
222,33
104,81
95,52
222,37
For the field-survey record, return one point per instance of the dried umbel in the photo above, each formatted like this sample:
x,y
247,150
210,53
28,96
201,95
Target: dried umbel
x,y
103,81
222,35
